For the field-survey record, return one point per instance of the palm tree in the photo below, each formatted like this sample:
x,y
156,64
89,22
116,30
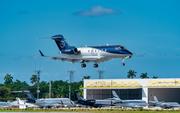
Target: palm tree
x,y
144,75
155,77
131,74
33,79
8,79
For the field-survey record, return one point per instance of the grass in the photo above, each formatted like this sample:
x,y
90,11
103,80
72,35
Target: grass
x,y
97,110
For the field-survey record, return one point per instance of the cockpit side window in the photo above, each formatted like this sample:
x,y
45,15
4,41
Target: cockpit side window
x,y
120,48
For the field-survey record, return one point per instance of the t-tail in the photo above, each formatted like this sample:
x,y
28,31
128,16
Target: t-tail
x,y
60,41
115,96
63,46
20,101
155,99
79,97
29,96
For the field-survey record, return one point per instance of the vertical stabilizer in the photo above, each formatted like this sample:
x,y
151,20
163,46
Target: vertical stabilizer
x,y
29,96
155,99
115,96
60,41
79,97
20,101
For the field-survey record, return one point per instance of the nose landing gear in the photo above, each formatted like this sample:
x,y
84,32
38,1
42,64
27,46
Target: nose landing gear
x,y
95,65
123,64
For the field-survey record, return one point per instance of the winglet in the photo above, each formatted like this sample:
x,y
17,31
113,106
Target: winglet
x,y
41,53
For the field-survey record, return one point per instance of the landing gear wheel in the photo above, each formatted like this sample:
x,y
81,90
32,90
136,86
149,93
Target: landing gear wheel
x,y
123,64
83,65
95,65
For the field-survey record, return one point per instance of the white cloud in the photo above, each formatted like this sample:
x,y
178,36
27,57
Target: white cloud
x,y
97,11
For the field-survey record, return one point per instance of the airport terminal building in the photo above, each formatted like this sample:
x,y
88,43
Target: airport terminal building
x,y
167,90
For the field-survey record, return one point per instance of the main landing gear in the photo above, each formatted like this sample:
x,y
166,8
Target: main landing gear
x,y
95,65
123,64
83,65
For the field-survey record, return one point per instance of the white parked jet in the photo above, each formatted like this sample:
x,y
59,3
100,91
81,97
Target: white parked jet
x,y
23,104
46,102
5,104
94,54
165,104
128,103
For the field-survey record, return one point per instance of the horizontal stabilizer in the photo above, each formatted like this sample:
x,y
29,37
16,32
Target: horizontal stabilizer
x,y
41,53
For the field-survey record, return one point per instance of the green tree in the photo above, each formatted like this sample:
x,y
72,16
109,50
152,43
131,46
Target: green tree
x,y
155,77
144,75
4,93
131,74
86,77
33,79
8,79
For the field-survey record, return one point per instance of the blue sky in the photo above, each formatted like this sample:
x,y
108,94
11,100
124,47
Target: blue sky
x,y
149,29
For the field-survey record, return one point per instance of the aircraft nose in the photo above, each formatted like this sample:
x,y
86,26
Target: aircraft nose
x,y
128,52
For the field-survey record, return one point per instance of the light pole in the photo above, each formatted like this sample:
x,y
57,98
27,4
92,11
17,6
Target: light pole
x,y
69,91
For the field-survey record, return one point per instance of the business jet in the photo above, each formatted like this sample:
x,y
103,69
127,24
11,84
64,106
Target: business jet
x,y
46,102
87,54
128,103
24,104
92,102
165,104
5,104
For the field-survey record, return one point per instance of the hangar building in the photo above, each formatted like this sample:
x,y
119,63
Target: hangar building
x,y
167,90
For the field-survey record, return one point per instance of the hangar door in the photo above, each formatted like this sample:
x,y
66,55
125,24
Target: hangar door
x,y
124,94
164,94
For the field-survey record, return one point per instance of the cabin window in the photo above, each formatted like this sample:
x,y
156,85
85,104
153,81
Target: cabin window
x,y
92,50
88,50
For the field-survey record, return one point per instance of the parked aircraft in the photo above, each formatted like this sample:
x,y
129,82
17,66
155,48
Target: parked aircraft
x,y
93,102
24,104
128,103
87,54
165,104
46,102
5,104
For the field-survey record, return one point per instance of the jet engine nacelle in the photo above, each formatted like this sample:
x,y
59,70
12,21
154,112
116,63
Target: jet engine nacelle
x,y
69,51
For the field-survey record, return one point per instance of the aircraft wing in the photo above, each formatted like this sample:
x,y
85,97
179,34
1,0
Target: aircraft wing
x,y
152,101
75,59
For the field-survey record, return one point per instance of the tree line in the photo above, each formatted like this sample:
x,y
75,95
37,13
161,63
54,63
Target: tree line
x,y
132,74
59,89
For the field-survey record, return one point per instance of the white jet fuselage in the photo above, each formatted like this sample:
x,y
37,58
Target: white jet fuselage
x,y
100,52
131,103
51,102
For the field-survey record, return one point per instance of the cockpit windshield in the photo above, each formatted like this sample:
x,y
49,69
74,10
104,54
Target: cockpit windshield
x,y
120,47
